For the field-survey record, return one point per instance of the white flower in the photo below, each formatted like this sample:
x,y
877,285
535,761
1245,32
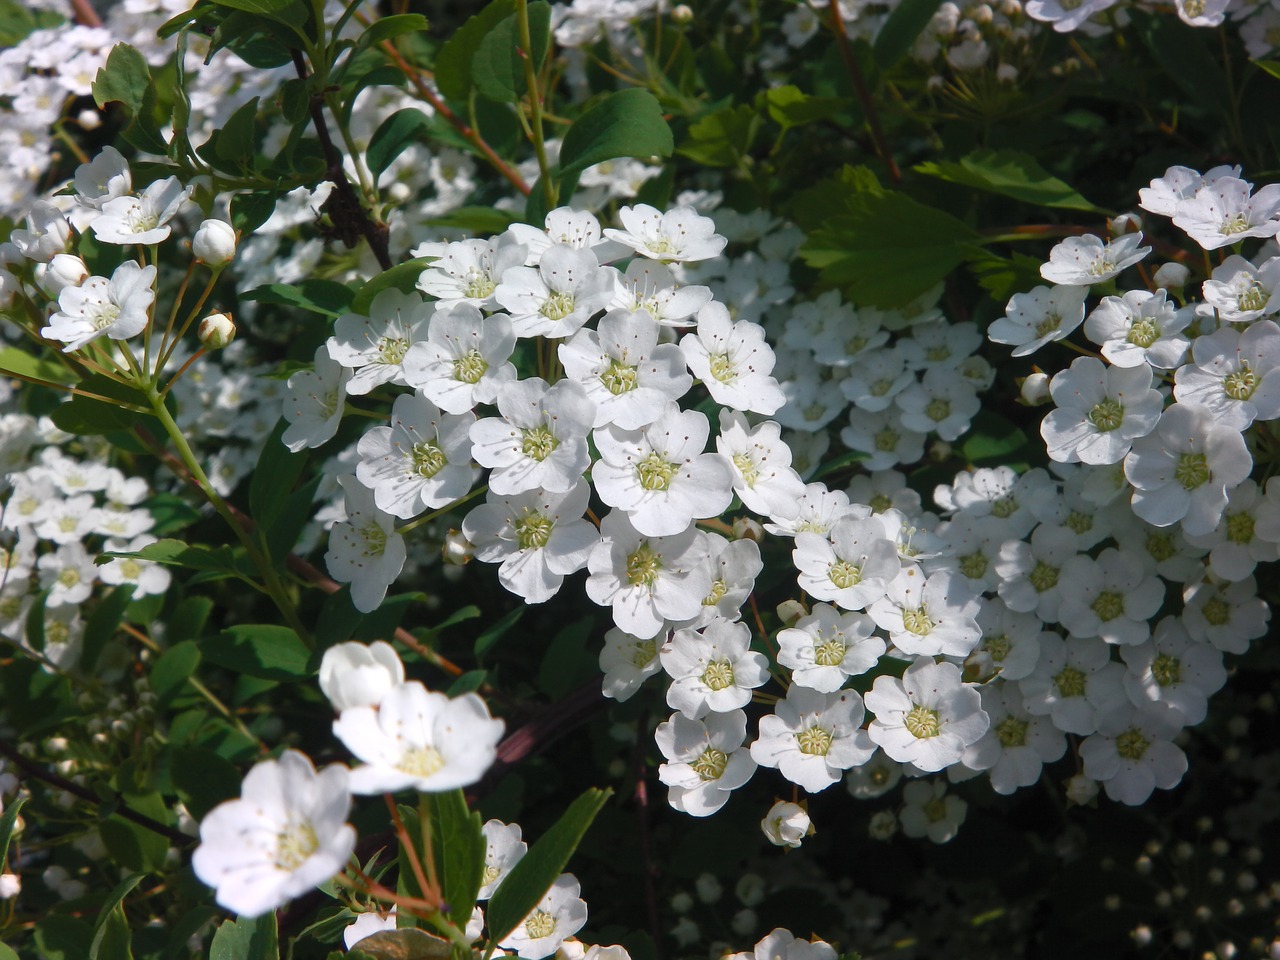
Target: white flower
x,y
761,461
468,271
47,233
1236,374
780,944
1132,753
733,361
1183,469
420,462
1100,411
812,737
1242,292
1227,615
786,824
355,675
929,811
119,308
874,378
146,577
564,225
1139,327
1248,534
559,915
1044,314
537,537
1010,644
419,739
1086,260
647,580
1178,184
883,437
874,778
1073,683
659,474
706,760
1223,212
285,835
68,574
1031,573
712,669
626,661
214,243
1174,669
313,402
853,568
826,647
819,511
558,297
540,441
503,850
375,346
734,566
626,372
1017,744
365,549
681,234
928,717
143,219
464,360
651,287
103,178
929,616
366,925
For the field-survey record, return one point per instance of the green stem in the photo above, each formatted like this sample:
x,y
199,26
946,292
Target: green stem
x,y
428,517
535,102
270,578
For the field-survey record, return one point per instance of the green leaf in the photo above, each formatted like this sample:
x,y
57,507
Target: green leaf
x,y
271,9
388,28
528,882
173,669
22,364
901,28
1010,173
171,513
459,846
993,440
628,123
176,553
111,930
6,826
292,518
234,143
454,61
405,944
402,277
8,953
124,78
722,138
394,135
468,682
499,63
132,845
61,937
203,779
493,634
273,478
103,624
1269,66
1003,277
251,210
886,249
326,297
246,939
89,417
477,220
261,650
188,619
789,107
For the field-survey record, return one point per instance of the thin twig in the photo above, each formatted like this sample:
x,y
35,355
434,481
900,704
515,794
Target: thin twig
x,y
86,16
864,95
36,771
648,865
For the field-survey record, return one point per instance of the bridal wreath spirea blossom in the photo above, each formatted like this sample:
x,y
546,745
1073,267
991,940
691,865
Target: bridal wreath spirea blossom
x,y
286,834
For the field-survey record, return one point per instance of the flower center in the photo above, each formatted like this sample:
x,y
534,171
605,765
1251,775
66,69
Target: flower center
x,y
557,306
470,367
538,443
477,285
1160,546
829,653
421,761
1143,333
1167,670
56,631
1048,325
718,675
1106,415
844,574
1255,297
107,315
722,368
533,530
998,647
1240,384
710,764
428,459
718,589
886,441
938,409
655,473
1234,223
1004,507
1240,527
1012,732
747,467
922,723
643,566
1079,521
974,566
1132,744
1070,682
643,652
1217,612
491,873
1109,605
374,539
619,378
392,349
294,846
937,354
130,569
917,621
541,924
880,503
814,742
1043,577
880,387
69,577
1192,470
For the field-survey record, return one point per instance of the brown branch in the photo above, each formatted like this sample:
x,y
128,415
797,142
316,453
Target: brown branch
x,y
864,95
349,215
36,771
471,135
85,15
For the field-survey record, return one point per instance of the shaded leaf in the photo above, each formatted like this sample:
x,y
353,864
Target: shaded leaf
x,y
904,24
246,939
499,64
262,650
454,61
1010,173
628,123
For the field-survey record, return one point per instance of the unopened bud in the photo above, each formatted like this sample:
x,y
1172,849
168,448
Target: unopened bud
x,y
1081,790
457,548
682,14
789,611
65,270
214,243
1125,223
786,824
1172,276
216,331
1035,389
744,528
89,119
10,886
